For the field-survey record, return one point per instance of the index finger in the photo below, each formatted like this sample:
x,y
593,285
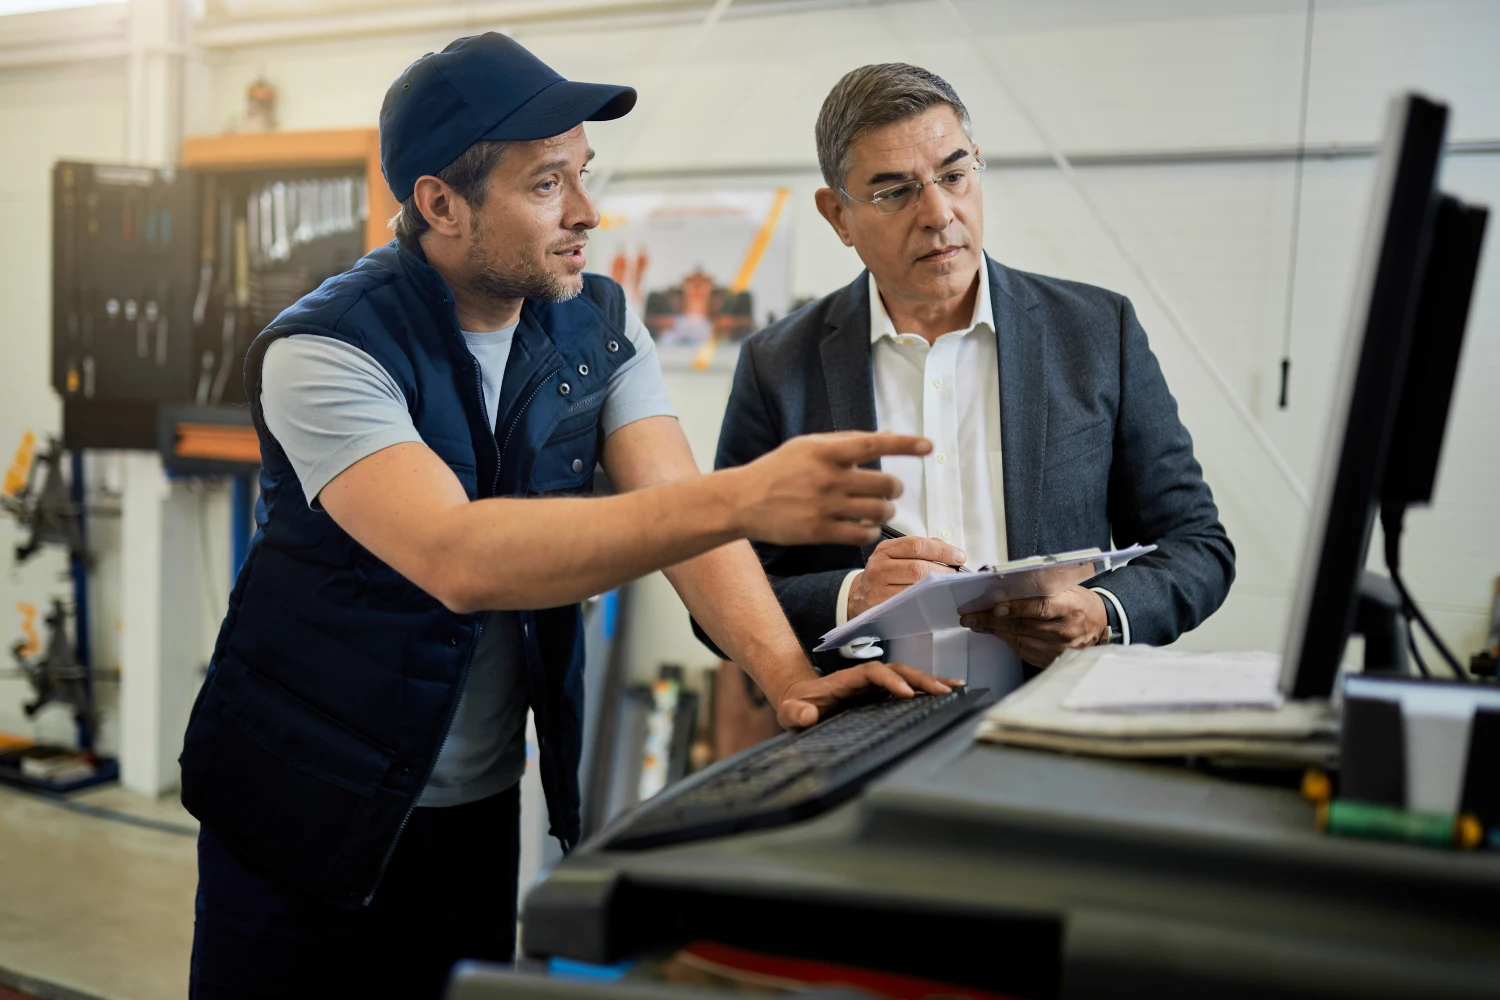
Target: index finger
x,y
920,680
918,547
851,681
856,447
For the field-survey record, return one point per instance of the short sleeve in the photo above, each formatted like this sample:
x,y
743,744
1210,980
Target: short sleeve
x,y
329,405
636,389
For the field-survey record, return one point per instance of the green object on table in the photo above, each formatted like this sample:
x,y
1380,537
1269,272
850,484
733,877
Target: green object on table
x,y
1345,818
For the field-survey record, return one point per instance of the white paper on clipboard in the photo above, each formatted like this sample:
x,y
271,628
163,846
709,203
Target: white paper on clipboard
x,y
937,601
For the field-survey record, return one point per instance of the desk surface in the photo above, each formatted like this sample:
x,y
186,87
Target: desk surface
x,y
1044,875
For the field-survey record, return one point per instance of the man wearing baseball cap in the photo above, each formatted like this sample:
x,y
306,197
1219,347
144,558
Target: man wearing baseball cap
x,y
429,423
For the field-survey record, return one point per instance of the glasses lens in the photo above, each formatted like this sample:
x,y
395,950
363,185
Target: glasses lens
x,y
893,199
956,181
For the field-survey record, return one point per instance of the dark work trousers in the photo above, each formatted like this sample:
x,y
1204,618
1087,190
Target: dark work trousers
x,y
449,893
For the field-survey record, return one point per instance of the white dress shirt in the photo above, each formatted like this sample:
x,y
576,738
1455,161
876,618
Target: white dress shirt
x,y
949,392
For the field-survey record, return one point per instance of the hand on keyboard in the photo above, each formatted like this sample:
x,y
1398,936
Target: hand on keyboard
x,y
807,701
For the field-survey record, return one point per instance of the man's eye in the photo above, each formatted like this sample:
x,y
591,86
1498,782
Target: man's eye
x,y
953,177
546,187
894,194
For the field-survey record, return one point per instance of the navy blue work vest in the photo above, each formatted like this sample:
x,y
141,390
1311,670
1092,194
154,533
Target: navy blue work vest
x,y
335,679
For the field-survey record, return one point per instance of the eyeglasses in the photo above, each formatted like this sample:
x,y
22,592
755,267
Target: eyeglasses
x,y
956,181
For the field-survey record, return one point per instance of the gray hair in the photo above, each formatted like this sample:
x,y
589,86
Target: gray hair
x,y
468,176
872,97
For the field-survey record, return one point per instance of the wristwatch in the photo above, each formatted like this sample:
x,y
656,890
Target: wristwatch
x,y
1113,637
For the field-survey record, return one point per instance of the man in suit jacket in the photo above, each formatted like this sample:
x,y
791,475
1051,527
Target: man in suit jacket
x,y
1053,428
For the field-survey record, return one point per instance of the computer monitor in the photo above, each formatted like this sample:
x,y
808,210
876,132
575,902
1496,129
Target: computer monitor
x,y
1401,354
1437,341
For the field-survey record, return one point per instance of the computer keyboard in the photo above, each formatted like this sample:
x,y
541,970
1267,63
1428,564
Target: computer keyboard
x,y
796,775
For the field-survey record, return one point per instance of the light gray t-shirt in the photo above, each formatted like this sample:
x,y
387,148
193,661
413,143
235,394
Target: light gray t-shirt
x,y
329,404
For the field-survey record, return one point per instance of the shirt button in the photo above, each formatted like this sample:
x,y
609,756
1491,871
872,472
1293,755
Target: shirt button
x,y
941,458
577,465
946,534
937,383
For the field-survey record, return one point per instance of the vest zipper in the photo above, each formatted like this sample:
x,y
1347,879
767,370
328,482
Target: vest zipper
x,y
390,852
385,862
495,489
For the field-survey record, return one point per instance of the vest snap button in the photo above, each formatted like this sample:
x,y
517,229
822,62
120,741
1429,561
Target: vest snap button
x,y
612,346
452,642
564,389
577,465
583,369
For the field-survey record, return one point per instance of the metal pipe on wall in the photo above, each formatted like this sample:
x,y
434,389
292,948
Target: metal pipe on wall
x,y
1105,158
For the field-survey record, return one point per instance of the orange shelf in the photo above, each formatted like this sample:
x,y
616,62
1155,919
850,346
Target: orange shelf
x,y
221,442
322,148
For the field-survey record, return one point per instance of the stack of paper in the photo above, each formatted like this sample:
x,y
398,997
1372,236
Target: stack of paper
x,y
1129,679
1137,701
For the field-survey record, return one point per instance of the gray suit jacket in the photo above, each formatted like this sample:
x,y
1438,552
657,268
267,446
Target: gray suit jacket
x,y
1093,449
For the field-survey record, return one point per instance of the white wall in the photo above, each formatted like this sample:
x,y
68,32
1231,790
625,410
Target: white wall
x,y
1102,75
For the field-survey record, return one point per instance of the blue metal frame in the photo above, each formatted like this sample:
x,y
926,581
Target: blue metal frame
x,y
79,571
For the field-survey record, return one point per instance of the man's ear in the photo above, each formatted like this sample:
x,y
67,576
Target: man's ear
x,y
445,212
832,208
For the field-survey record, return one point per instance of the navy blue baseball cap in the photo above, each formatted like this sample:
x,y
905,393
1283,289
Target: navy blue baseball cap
x,y
481,87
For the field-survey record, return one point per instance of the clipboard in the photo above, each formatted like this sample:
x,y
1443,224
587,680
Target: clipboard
x,y
936,602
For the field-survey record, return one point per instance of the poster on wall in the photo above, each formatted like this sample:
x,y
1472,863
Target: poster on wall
x,y
700,268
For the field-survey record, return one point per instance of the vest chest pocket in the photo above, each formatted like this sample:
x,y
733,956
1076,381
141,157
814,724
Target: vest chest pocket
x,y
565,464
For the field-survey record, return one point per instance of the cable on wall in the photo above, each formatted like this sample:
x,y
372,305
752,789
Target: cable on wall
x,y
1257,432
1291,265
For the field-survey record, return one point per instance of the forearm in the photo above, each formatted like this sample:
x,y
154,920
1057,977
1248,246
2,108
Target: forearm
x,y
406,506
810,602
726,591
514,554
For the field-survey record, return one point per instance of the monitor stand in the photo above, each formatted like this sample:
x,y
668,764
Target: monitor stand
x,y
1380,619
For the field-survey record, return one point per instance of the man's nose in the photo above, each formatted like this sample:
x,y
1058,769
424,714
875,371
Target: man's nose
x,y
580,212
933,208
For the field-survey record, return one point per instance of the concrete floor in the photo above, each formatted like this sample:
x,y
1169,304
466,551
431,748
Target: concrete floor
x,y
95,907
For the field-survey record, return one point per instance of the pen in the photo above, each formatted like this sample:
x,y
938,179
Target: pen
x,y
890,532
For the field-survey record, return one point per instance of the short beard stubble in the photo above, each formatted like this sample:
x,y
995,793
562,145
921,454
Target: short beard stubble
x,y
517,278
